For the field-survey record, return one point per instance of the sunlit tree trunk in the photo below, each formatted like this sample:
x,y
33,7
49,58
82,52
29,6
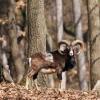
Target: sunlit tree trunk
x,y
60,35
37,32
49,47
79,35
94,30
59,20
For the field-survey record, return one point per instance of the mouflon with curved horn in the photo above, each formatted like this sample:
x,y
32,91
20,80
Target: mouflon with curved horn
x,y
62,59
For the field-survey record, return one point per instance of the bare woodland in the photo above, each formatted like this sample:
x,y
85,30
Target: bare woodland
x,y
49,49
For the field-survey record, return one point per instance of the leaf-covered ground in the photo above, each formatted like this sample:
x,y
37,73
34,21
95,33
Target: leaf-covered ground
x,y
10,92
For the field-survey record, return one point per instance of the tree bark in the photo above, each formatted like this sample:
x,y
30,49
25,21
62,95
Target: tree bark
x,y
36,32
36,27
4,8
60,36
49,47
94,30
81,58
59,20
6,69
19,65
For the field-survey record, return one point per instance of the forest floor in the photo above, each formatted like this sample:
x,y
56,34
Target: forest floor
x,y
17,92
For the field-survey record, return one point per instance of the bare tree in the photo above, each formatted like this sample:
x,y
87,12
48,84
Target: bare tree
x,y
60,35
36,32
49,48
9,45
94,30
6,67
4,5
19,66
81,58
59,20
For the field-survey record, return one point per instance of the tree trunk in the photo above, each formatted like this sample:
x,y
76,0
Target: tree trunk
x,y
49,47
60,36
6,68
19,65
81,58
36,27
4,8
37,32
59,20
94,30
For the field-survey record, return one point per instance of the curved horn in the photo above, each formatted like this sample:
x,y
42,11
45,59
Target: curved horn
x,y
61,48
78,42
63,42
